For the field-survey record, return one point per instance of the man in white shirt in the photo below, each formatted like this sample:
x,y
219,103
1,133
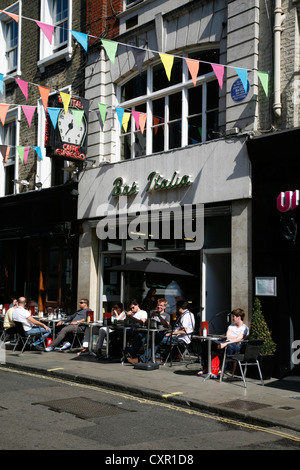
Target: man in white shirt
x,y
236,332
137,317
31,325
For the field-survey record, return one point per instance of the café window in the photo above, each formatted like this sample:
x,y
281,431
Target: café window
x,y
178,113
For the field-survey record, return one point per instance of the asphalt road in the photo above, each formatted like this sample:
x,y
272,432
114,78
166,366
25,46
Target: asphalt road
x,y
43,413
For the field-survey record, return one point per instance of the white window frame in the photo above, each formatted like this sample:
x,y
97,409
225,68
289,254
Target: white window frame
x,y
150,96
50,53
13,116
9,75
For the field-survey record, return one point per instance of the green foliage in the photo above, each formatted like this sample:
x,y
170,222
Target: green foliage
x,y
259,330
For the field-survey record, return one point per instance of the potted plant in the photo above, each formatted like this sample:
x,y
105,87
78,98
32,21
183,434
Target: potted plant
x,y
259,330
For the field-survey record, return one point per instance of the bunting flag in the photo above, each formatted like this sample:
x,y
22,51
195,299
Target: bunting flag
x,y
167,61
136,116
23,87
142,122
78,115
193,66
120,113
3,112
53,114
29,112
1,83
139,57
264,79
44,92
47,30
125,121
219,72
5,149
243,76
39,152
12,15
102,109
110,48
66,100
81,38
21,151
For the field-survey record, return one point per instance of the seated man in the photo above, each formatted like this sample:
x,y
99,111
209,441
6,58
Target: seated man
x,y
76,320
8,321
183,327
136,317
162,318
31,325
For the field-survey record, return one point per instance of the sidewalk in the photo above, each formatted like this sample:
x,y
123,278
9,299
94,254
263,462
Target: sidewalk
x,y
275,404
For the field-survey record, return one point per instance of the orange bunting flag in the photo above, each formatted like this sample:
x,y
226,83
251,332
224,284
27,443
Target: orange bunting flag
x,y
4,150
142,122
12,15
3,112
193,66
44,92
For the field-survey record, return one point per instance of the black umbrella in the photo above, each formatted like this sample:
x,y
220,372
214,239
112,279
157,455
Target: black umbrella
x,y
151,265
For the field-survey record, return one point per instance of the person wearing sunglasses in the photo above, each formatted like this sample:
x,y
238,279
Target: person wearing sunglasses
x,y
74,321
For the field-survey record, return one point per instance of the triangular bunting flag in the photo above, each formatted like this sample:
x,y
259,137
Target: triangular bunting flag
x,y
110,49
12,15
156,121
139,57
1,83
39,152
44,92
193,66
23,87
26,151
53,113
66,100
47,30
5,149
82,38
136,116
167,61
125,120
78,115
264,79
243,76
120,113
142,121
20,151
102,109
219,72
3,112
29,112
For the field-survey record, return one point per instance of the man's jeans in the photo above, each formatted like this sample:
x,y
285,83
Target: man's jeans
x,y
35,331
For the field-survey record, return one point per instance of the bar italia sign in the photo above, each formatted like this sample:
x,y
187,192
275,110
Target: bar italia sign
x,y
155,182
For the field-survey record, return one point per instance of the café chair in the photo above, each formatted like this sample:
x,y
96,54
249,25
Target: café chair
x,y
77,341
7,334
182,350
23,338
249,357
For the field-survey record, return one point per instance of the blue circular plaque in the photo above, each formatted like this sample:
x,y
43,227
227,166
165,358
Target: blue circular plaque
x,y
238,92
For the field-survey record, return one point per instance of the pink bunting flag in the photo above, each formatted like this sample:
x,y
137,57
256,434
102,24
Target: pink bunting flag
x,y
26,151
136,116
23,87
47,30
193,66
219,72
29,112
3,112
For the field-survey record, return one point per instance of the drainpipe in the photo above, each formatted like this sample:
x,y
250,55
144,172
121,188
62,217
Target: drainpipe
x,y
278,19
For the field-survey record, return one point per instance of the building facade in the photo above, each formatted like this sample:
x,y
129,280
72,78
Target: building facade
x,y
38,189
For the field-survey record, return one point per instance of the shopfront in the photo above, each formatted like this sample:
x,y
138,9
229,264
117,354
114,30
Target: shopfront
x,y
200,201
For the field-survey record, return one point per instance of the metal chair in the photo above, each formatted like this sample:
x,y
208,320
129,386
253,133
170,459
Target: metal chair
x,y
183,350
77,341
24,338
249,357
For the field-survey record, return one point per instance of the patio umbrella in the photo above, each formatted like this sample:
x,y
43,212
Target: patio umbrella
x,y
151,265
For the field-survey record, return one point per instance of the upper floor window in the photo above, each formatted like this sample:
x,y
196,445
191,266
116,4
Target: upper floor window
x,y
8,169
59,14
178,113
9,39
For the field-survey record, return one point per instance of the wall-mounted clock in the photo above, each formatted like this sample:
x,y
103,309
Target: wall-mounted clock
x,y
69,131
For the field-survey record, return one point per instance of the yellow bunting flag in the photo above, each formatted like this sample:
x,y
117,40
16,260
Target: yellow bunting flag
x,y
66,100
125,120
167,61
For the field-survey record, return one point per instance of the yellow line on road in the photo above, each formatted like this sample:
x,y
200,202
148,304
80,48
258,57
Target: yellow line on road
x,y
169,406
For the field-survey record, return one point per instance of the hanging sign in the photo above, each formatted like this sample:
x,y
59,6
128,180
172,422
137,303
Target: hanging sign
x,y
66,129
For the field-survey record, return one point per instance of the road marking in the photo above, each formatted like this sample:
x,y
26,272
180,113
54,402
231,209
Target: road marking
x,y
57,368
172,394
170,406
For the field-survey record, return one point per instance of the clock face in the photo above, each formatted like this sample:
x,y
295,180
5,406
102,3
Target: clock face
x,y
69,130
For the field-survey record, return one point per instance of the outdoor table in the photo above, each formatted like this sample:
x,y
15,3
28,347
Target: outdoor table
x,y
209,339
53,321
91,325
153,331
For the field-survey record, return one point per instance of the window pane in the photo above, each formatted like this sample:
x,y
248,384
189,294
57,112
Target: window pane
x,y
175,106
134,88
140,144
213,125
195,100
125,147
175,131
160,79
195,130
212,95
